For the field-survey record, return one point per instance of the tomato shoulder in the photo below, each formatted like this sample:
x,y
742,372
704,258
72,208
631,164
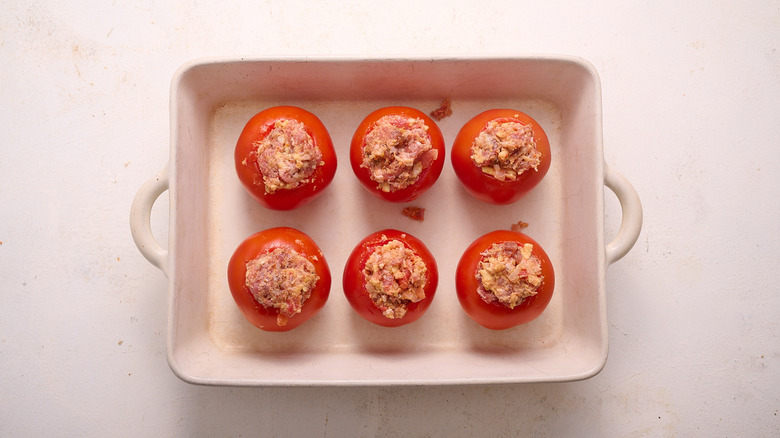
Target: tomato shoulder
x,y
484,186
264,242
355,284
427,177
494,315
250,175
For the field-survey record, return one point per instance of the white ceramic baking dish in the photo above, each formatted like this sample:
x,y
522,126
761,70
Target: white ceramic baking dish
x,y
209,342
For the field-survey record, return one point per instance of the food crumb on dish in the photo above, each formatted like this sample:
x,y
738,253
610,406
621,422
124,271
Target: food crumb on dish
x,y
505,150
396,150
281,279
508,273
395,276
519,226
415,213
444,110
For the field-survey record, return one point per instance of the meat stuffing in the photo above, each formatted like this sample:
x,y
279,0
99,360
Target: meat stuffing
x,y
395,277
505,150
508,273
396,149
286,157
281,279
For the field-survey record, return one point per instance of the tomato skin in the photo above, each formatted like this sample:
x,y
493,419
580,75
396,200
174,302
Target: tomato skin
x,y
258,128
496,316
265,241
484,187
355,285
428,176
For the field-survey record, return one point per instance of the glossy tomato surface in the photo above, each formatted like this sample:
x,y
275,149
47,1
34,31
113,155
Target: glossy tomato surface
x,y
428,176
249,173
483,186
355,284
496,316
266,241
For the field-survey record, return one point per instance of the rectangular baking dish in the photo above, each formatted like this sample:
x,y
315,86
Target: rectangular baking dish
x,y
209,342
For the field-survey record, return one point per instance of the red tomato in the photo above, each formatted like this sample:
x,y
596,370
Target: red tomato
x,y
355,282
257,129
495,315
264,242
427,177
483,186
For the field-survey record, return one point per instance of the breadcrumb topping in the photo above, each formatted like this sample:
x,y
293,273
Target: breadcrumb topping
x,y
396,149
287,156
505,150
281,279
508,273
395,277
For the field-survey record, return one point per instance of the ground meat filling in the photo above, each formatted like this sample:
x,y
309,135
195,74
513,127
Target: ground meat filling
x,y
287,156
396,150
281,279
508,273
505,149
395,277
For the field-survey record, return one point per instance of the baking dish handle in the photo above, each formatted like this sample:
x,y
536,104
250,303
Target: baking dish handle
x,y
631,223
140,220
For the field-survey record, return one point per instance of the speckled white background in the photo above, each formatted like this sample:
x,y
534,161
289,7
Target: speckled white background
x,y
691,117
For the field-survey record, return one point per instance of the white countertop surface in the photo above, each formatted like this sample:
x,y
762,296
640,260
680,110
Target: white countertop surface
x,y
691,118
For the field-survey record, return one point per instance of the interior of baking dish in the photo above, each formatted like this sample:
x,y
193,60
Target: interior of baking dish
x,y
209,340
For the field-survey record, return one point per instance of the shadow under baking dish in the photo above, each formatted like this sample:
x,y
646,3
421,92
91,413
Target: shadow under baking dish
x,y
210,342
